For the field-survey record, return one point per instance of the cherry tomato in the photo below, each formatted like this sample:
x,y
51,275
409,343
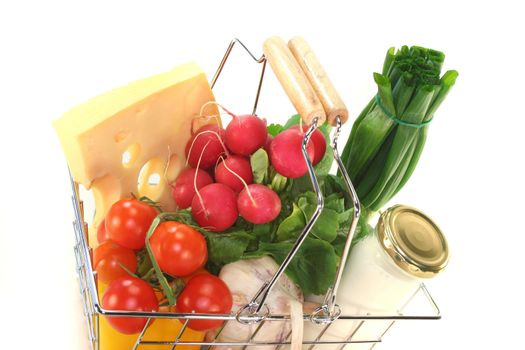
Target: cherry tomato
x,y
128,221
129,294
102,233
205,294
179,249
108,258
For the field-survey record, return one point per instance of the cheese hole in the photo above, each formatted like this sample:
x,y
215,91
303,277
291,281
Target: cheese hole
x,y
150,182
130,155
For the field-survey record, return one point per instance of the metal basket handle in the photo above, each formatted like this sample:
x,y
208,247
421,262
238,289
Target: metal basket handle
x,y
330,311
303,79
337,114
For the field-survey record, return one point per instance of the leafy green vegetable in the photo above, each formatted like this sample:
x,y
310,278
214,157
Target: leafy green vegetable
x,y
274,129
291,227
334,184
323,167
387,139
313,268
327,224
300,186
278,182
335,201
263,232
345,217
224,248
260,163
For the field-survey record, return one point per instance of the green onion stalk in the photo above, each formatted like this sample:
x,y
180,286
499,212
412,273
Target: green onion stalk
x,y
388,137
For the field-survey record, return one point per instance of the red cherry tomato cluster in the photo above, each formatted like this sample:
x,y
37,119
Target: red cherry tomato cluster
x,y
179,250
224,153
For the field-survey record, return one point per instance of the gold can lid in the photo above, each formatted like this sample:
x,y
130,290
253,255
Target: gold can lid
x,y
413,241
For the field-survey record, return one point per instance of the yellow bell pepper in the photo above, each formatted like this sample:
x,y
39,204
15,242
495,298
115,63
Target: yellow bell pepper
x,y
159,330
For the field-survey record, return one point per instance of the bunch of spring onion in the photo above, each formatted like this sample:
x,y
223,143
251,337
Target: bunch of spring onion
x,y
388,137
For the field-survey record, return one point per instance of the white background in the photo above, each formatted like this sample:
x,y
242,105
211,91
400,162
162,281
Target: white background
x,y
470,178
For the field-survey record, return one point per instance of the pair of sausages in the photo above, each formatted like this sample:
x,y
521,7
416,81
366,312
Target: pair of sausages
x,y
304,80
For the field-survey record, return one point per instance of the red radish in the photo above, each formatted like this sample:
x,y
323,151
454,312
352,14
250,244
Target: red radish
x,y
246,134
318,140
226,171
184,190
269,140
213,136
258,204
286,153
215,207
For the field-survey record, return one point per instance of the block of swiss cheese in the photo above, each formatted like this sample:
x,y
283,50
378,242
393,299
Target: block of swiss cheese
x,y
132,139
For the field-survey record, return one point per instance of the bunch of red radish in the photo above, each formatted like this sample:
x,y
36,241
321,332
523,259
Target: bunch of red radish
x,y
216,205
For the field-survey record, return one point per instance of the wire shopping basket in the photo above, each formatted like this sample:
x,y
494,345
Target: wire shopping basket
x,y
256,313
